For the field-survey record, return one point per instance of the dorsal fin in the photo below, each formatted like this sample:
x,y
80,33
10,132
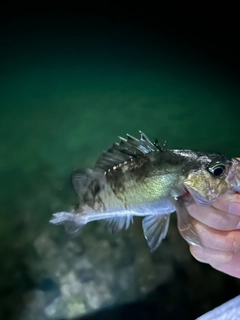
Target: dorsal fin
x,y
79,179
82,180
125,150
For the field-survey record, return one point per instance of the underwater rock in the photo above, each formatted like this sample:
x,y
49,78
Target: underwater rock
x,y
97,294
34,302
77,276
65,308
50,289
79,297
45,246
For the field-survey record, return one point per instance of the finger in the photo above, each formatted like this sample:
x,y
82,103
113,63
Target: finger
x,y
232,267
229,203
227,262
211,256
216,239
214,218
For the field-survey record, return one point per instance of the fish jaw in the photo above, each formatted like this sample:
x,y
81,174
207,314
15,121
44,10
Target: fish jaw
x,y
200,189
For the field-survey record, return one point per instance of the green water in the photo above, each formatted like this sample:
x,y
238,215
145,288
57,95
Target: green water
x,y
63,102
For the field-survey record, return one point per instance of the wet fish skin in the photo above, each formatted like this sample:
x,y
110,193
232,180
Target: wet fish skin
x,y
139,178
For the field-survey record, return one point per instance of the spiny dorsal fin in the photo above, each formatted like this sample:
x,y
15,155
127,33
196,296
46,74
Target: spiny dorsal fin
x,y
125,150
161,147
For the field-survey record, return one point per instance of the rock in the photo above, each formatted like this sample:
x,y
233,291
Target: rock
x,y
76,277
45,247
65,308
70,284
127,284
50,288
72,250
97,294
34,301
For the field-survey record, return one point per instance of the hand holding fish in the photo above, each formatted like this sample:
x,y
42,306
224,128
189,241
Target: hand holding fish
x,y
137,177
218,227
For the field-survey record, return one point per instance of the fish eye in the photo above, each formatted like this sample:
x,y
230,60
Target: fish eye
x,y
217,170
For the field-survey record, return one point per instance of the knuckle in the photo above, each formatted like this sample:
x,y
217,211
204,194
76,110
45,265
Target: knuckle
x,y
223,224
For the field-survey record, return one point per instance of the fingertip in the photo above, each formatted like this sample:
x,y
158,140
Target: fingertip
x,y
197,252
229,203
234,208
231,268
210,256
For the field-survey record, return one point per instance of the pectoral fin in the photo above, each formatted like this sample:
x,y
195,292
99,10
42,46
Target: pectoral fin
x,y
185,224
155,228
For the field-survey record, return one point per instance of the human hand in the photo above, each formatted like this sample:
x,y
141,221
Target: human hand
x,y
219,229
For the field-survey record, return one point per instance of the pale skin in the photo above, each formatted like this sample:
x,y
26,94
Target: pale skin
x,y
219,229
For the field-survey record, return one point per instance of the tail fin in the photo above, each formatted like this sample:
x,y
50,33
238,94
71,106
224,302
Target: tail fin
x,y
72,222
86,185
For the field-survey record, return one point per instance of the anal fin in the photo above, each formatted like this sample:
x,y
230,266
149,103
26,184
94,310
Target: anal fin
x,y
155,228
116,224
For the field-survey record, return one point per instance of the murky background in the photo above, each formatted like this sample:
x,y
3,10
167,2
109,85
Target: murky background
x,y
68,89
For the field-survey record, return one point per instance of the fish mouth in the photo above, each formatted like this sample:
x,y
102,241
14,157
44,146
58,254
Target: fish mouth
x,y
200,199
233,178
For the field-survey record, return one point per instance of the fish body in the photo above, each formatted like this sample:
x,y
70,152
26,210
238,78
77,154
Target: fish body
x,y
139,178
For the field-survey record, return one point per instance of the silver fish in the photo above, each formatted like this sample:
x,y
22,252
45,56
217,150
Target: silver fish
x,y
230,310
137,177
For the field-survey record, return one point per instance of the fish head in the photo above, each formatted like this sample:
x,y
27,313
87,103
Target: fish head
x,y
217,175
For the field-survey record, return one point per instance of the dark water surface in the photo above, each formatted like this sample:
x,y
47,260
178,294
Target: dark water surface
x,y
68,89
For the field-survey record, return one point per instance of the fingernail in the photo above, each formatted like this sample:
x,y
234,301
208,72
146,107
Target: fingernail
x,y
234,208
238,226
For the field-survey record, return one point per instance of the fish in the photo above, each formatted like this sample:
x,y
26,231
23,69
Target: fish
x,y
138,177
229,310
